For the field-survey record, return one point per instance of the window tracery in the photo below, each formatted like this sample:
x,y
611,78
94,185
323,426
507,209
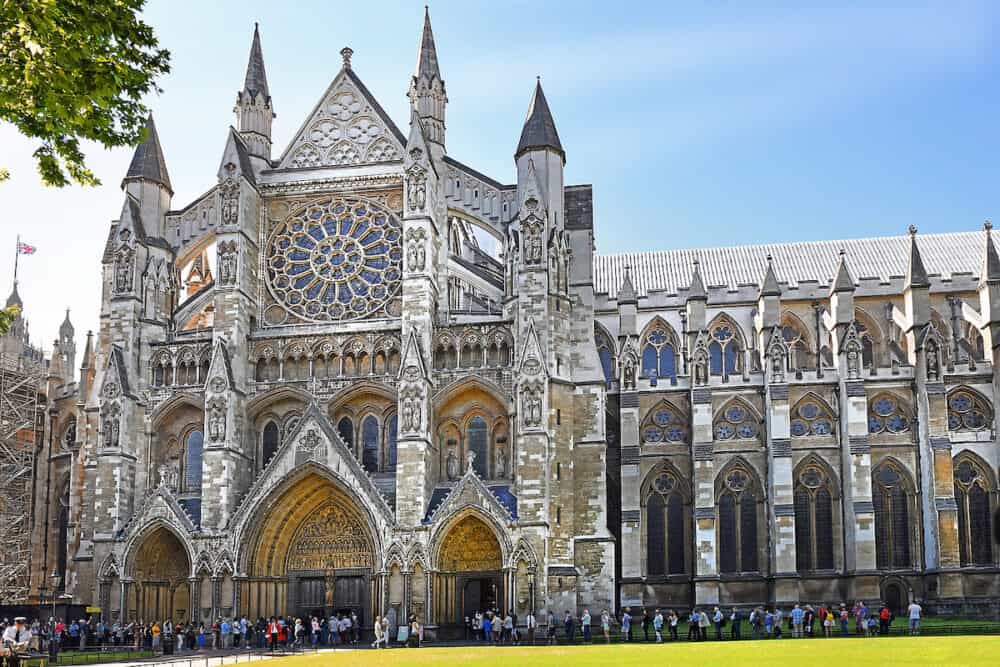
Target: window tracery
x,y
665,525
738,508
973,489
605,351
659,352
886,415
968,411
814,492
335,260
664,423
891,493
736,422
811,416
796,338
725,348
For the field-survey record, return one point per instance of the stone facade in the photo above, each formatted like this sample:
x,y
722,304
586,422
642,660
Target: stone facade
x,y
403,387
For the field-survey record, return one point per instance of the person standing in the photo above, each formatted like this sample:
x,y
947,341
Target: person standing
x,y
717,621
570,624
658,626
673,619
703,624
734,624
585,625
810,619
915,613
552,627
646,622
798,615
532,623
508,628
606,626
884,618
627,624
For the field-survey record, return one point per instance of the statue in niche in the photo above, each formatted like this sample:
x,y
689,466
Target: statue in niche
x,y
470,457
416,192
933,363
110,427
777,365
227,263
451,465
217,422
500,465
123,270
853,367
411,410
532,404
700,371
628,373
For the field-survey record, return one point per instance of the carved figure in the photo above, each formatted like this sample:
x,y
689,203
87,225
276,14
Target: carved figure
x,y
451,465
500,466
629,372
217,422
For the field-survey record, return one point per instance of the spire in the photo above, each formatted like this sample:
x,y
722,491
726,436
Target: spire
x,y
56,366
843,281
769,285
539,131
147,162
991,262
626,293
88,352
66,330
697,288
427,59
14,299
255,82
916,274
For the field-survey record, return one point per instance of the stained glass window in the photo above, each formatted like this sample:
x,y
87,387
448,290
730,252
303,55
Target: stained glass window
x,y
391,447
335,260
885,415
811,417
968,412
269,442
736,421
975,524
892,527
193,461
369,444
724,350
665,527
604,351
658,354
664,423
813,519
346,430
738,508
478,442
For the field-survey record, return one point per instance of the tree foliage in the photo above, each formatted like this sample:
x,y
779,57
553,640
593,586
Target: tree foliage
x,y
7,317
73,70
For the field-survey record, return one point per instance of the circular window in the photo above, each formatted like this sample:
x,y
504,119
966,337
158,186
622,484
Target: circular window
x,y
336,259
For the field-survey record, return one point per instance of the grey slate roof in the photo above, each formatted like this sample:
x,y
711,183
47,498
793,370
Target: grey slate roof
x,y
147,162
427,59
882,258
255,82
539,129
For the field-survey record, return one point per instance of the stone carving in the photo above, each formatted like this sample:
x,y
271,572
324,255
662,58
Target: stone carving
x,y
470,547
411,410
500,465
933,361
777,355
416,252
532,242
470,458
331,538
451,466
217,385
110,425
227,262
124,269
169,474
217,421
416,187
230,189
531,404
628,372
852,352
309,441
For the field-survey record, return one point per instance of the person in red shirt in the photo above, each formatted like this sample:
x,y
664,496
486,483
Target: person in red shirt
x,y
884,619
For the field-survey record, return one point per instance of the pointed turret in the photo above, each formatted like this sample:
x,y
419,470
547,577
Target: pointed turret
x,y
57,368
769,285
697,291
68,346
539,131
253,109
427,91
147,181
842,282
916,274
14,299
626,293
990,272
66,329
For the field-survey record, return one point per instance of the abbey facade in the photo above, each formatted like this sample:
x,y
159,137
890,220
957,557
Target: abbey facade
x,y
360,375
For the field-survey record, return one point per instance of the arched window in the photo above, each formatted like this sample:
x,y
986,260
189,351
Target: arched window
x,y
975,522
346,430
659,353
390,447
797,339
369,443
738,501
269,443
892,517
968,411
869,335
665,523
664,423
813,518
724,350
477,441
736,421
605,352
63,534
193,459
811,416
886,415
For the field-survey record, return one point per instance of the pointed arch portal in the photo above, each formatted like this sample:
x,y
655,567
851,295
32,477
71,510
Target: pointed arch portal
x,y
471,573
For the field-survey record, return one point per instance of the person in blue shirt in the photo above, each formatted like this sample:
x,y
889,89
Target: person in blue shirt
x,y
224,630
627,624
798,616
658,626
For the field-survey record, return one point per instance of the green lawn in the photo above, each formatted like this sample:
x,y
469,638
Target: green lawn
x,y
924,651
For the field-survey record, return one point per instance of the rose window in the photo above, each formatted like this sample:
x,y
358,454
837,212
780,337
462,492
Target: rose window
x,y
967,412
664,424
335,260
736,422
809,418
886,416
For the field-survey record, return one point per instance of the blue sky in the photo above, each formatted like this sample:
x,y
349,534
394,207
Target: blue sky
x,y
699,124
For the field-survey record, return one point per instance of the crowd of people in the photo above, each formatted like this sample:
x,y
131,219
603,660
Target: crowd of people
x,y
491,626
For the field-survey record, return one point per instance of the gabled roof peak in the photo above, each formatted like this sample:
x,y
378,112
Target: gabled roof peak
x,y
539,131
147,161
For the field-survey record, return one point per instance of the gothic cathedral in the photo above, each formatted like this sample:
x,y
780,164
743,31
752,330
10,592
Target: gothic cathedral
x,y
360,375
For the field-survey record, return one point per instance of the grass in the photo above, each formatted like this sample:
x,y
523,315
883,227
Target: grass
x,y
924,651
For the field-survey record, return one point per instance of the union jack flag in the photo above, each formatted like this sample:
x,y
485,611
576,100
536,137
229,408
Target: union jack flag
x,y
25,249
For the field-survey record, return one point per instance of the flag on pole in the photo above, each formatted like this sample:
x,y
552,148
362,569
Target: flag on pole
x,y
25,249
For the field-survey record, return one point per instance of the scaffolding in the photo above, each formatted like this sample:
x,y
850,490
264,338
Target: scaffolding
x,y
21,379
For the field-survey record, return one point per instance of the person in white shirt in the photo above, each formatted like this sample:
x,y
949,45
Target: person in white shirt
x,y
531,622
378,632
15,641
914,611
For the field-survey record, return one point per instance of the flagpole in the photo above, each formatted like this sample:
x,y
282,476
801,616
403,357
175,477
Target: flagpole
x,y
17,256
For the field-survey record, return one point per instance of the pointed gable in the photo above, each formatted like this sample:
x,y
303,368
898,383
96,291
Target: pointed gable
x,y
347,127
117,373
147,161
539,131
237,154
471,491
532,360
220,371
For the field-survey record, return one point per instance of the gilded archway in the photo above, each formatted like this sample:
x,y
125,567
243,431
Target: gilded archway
x,y
470,576
160,570
470,546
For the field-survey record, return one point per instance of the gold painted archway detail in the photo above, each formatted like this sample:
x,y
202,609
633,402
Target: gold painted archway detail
x,y
331,538
470,546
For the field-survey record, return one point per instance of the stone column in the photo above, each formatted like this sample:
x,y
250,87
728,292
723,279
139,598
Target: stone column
x,y
706,556
781,494
631,535
216,597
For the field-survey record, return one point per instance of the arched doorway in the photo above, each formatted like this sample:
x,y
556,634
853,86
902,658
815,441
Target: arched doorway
x,y
896,598
470,572
160,571
312,553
